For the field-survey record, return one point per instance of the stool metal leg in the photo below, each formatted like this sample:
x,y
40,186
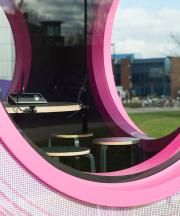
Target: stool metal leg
x,y
57,159
49,142
76,142
92,162
132,155
77,162
135,154
103,152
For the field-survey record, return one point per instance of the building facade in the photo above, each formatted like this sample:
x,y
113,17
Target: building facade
x,y
149,77
175,77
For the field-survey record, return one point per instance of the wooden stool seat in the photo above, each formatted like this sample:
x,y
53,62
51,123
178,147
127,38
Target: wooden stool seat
x,y
74,136
66,151
71,151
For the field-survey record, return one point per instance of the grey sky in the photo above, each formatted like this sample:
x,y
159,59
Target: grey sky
x,y
145,27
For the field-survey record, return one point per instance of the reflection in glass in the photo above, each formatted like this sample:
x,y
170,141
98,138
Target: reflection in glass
x,y
7,55
59,32
57,35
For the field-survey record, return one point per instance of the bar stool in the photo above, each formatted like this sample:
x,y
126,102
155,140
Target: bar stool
x,y
75,136
104,143
71,151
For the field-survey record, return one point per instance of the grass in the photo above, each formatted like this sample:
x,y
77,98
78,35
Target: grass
x,y
157,124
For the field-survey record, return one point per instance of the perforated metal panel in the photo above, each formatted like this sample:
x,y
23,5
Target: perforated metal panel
x,y
22,194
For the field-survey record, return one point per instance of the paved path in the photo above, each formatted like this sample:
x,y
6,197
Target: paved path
x,y
152,109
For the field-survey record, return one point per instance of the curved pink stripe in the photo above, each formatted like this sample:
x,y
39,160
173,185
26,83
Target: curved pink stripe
x,y
14,204
23,50
102,69
16,193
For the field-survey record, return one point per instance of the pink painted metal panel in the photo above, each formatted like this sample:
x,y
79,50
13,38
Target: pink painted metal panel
x,y
134,193
23,50
23,194
102,69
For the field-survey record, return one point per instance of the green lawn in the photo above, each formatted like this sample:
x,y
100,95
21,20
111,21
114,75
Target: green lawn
x,y
157,124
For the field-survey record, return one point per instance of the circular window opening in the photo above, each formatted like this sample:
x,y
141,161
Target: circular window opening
x,y
146,59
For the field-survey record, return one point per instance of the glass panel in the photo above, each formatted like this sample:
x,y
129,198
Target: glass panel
x,y
59,31
57,37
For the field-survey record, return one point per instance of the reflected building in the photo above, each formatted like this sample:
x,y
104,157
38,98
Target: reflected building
x,y
57,41
148,77
59,32
175,77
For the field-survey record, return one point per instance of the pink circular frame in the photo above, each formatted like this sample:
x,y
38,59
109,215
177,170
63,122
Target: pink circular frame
x,y
134,193
102,73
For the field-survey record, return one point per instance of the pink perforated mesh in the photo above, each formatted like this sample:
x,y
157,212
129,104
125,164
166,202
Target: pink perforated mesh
x,y
23,194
